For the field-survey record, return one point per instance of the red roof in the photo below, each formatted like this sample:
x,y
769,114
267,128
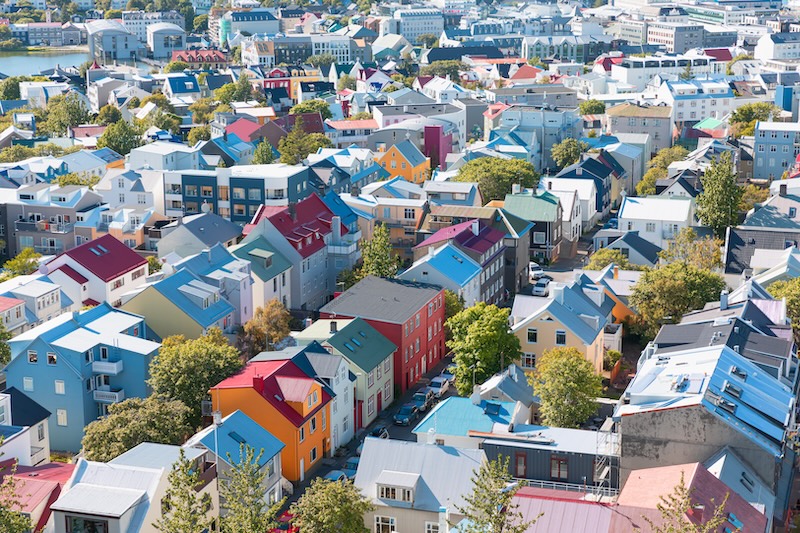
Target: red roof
x,y
526,72
312,122
86,131
59,472
463,235
88,302
106,257
9,303
423,80
720,54
74,274
495,109
199,56
245,129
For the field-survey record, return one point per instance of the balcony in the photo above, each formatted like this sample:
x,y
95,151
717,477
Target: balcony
x,y
343,249
43,226
109,396
107,367
208,475
38,455
49,250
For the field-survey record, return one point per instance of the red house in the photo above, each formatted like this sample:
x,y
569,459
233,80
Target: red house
x,y
409,314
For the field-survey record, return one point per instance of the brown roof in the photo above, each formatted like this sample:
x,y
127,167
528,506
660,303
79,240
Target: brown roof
x,y
634,110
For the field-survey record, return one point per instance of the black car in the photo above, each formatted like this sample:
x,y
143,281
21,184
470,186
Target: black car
x,y
379,432
407,414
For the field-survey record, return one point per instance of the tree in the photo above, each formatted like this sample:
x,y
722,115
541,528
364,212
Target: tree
x,y
25,262
729,65
183,508
568,152
453,304
321,60
269,325
428,40
176,66
64,111
186,369
377,255
751,195
482,344
120,137
296,146
704,253
154,264
346,82
605,256
113,14
313,106
226,94
789,289
202,111
687,73
490,506
443,69
242,494
199,133
390,89
331,507
718,204
346,278
12,520
647,186
263,154
361,115
108,115
567,386
161,101
743,119
665,294
537,62
133,421
201,23
674,507
592,107
72,178
243,89
667,156
495,176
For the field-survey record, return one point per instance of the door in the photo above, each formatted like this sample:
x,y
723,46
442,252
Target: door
x,y
424,364
520,465
335,436
302,469
380,401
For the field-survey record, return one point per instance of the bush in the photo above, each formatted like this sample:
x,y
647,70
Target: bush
x,y
610,359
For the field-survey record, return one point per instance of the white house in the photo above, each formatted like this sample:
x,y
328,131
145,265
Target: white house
x,y
587,196
657,219
448,267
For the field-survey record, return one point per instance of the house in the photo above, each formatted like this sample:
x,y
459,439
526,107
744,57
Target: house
x,y
618,285
25,429
198,59
227,151
632,117
406,160
453,193
509,385
403,312
544,209
295,407
270,270
571,220
183,86
657,219
770,266
164,155
333,371
121,187
79,363
224,441
637,250
450,268
573,315
30,300
163,38
414,487
192,234
602,175
98,271
38,487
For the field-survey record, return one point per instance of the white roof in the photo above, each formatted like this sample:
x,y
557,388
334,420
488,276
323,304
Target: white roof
x,y
165,147
673,209
98,500
778,126
586,189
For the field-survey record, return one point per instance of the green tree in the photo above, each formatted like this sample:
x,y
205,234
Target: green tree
x,y
729,64
568,152
443,69
666,156
186,369
592,107
25,262
490,506
752,194
154,264
161,101
321,60
687,73
361,115
495,176
744,118
269,325
331,507
64,111
567,386
296,146
665,294
346,278
226,94
120,137
428,40
453,304
390,88
263,154
183,508
113,14
5,349
108,115
202,111
242,494
674,509
12,520
134,421
313,106
789,289
482,344
377,255
537,62
199,133
718,204
346,81
16,152
201,23
605,256
244,89
647,186
704,253
72,178
176,66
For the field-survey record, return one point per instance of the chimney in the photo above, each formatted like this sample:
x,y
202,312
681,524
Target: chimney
x,y
334,326
557,293
579,171
336,228
549,185
431,251
292,210
516,188
476,395
696,512
616,272
476,229
723,300
258,384
782,189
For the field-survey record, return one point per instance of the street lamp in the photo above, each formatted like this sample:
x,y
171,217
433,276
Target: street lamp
x,y
474,368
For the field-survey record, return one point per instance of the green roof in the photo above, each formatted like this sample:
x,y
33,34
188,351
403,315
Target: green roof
x,y
710,123
541,207
362,344
265,260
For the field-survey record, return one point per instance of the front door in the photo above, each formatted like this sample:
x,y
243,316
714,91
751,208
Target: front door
x,y
335,436
302,469
380,401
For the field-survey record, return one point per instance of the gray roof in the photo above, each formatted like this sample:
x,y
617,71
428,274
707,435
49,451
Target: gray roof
x,y
441,475
742,242
369,349
210,228
325,365
646,249
387,300
152,455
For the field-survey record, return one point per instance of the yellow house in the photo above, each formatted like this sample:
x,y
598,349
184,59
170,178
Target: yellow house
x,y
573,316
404,159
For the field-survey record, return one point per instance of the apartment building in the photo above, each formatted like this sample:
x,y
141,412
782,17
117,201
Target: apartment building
x,y
777,145
676,37
655,121
415,22
694,100
638,71
137,22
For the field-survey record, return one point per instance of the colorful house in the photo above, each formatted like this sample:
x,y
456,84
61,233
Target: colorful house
x,y
405,159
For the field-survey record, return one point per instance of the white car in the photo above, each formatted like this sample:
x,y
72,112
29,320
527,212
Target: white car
x,y
542,287
439,385
534,270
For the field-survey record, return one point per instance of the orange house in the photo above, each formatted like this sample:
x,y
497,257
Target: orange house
x,y
285,401
404,159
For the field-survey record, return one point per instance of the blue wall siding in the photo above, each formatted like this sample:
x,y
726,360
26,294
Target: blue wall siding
x,y
193,204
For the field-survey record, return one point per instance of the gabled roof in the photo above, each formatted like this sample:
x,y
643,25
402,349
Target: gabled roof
x,y
669,208
24,410
266,261
645,248
244,129
362,344
410,153
187,292
106,257
534,205
449,261
236,429
209,228
457,416
464,236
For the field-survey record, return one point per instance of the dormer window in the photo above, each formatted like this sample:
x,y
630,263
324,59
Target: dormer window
x,y
398,494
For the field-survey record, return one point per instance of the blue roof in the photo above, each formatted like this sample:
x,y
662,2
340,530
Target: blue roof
x,y
237,428
6,432
182,84
170,288
410,152
458,416
339,208
450,262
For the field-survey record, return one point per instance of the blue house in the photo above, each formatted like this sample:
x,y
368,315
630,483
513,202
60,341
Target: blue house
x,y
79,363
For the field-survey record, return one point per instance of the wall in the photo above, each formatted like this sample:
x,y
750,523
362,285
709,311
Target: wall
x,y
546,339
163,316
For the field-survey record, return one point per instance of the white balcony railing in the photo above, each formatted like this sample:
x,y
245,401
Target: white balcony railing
x,y
109,396
107,367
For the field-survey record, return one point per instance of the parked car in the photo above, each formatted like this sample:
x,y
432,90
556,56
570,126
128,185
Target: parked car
x,y
423,399
612,223
350,467
285,524
542,287
408,413
449,373
439,385
379,432
336,475
534,270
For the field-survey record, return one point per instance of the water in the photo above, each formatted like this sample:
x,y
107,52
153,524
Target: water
x,y
29,63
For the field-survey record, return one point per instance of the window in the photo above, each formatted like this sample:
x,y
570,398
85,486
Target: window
x,y
399,494
528,360
792,212
538,237
79,524
206,191
190,190
238,193
59,384
370,405
104,353
313,454
370,379
310,400
61,416
40,431
2,414
324,419
558,468
27,384
302,433
532,336
520,465
561,338
33,357
409,214
313,424
52,358
387,393
385,524
431,527
651,227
